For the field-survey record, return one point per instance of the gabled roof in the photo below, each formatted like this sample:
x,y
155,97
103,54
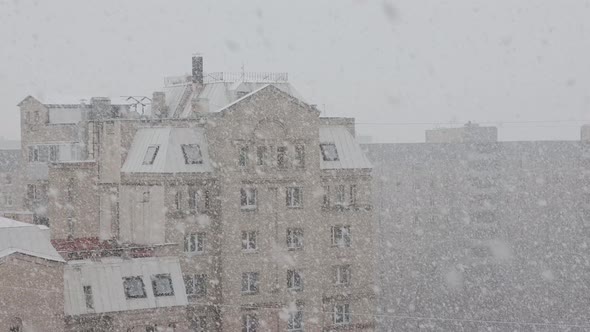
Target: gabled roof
x,y
350,154
27,239
218,95
106,280
170,157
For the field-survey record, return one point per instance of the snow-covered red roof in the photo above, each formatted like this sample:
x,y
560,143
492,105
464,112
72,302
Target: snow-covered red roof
x,y
28,239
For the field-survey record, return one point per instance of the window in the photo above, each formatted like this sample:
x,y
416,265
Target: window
x,y
352,197
249,323
342,313
178,199
248,198
294,281
32,192
162,285
199,324
250,283
243,157
192,154
16,325
341,236
8,199
146,197
134,287
294,197
326,198
294,238
249,240
295,322
54,153
261,156
150,154
193,200
196,285
34,153
342,275
282,156
207,200
88,297
340,194
329,152
299,156
194,242
70,190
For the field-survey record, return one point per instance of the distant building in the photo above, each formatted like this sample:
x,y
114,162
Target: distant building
x,y
478,230
230,183
31,279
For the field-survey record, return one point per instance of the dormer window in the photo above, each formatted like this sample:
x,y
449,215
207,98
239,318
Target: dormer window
x,y
329,152
192,154
150,154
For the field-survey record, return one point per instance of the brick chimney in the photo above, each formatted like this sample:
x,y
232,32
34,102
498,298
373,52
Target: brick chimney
x,y
197,76
159,108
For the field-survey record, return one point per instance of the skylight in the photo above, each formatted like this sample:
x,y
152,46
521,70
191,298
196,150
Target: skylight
x,y
150,154
329,152
192,154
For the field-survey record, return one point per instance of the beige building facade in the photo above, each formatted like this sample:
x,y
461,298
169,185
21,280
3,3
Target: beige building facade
x,y
261,206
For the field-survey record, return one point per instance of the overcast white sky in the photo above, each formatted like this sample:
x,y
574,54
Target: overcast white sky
x,y
402,61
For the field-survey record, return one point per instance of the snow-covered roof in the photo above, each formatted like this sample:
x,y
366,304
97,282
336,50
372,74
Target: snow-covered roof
x,y
218,95
106,281
350,155
28,239
57,99
169,157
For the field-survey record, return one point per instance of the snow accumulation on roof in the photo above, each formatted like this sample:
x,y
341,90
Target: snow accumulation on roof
x,y
28,239
56,99
349,153
218,95
168,150
106,281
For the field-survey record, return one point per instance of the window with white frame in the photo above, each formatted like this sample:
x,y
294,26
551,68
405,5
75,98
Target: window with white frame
x,y
261,156
341,236
352,195
250,323
192,154
193,200
299,160
150,154
329,152
250,283
294,281
342,313
134,287
295,321
326,197
194,242
88,297
342,274
195,284
248,198
162,285
341,194
249,240
8,199
243,156
294,197
294,238
282,156
178,199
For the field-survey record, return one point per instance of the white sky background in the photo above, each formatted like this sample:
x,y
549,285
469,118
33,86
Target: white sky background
x,y
403,61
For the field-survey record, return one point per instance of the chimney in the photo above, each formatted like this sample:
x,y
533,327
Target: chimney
x,y
159,108
197,76
101,108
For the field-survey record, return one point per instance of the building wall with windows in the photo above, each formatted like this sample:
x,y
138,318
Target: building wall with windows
x,y
480,230
11,189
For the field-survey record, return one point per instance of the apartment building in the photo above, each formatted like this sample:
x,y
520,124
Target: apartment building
x,y
231,205
481,234
10,177
31,279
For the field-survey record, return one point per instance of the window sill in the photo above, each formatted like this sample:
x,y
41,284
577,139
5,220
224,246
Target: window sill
x,y
248,209
295,207
194,253
295,248
250,251
249,293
